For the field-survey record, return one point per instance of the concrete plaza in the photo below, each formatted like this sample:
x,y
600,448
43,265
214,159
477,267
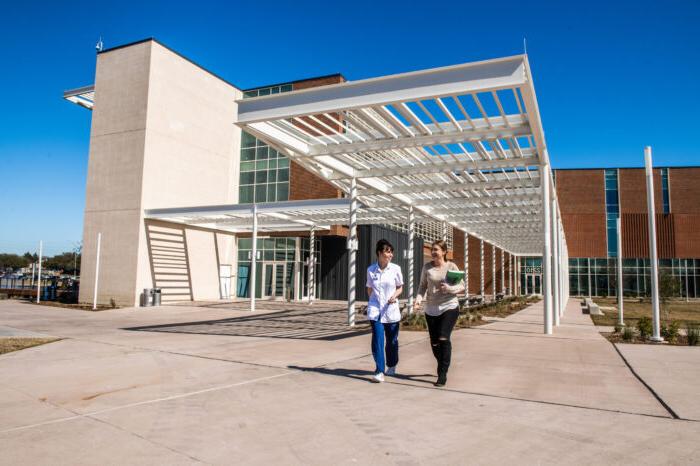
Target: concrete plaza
x,y
183,385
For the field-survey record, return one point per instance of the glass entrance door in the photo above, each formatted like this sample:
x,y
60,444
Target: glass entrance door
x,y
274,283
533,284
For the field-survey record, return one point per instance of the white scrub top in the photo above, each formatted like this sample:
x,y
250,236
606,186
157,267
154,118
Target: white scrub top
x,y
383,284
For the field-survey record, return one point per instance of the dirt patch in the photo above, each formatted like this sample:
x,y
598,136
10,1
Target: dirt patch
x,y
10,344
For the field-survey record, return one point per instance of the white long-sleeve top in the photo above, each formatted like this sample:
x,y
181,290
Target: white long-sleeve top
x,y
436,300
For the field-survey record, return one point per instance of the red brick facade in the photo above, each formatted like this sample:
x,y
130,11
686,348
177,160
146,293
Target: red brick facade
x,y
581,196
582,201
302,183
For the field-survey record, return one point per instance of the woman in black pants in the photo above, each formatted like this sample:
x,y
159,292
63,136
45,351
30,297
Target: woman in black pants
x,y
441,307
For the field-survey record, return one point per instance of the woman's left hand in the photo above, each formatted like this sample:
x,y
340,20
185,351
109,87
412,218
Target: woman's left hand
x,y
444,288
392,300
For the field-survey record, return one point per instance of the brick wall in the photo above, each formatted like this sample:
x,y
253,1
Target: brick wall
x,y
302,183
581,196
633,191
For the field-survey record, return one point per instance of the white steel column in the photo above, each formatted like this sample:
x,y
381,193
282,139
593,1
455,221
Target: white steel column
x,y
466,263
97,271
38,281
253,258
656,334
503,272
547,250
444,230
481,287
411,240
493,272
620,296
352,252
555,263
511,273
562,266
565,269
312,265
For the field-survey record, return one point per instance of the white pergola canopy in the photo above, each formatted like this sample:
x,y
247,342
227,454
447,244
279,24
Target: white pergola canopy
x,y
461,144
83,96
280,216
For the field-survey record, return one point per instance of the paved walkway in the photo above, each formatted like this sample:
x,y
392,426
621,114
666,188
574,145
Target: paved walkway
x,y
185,385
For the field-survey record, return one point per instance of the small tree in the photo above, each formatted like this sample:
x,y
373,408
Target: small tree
x,y
669,287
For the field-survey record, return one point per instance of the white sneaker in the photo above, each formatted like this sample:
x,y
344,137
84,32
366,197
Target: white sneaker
x,y
379,378
391,371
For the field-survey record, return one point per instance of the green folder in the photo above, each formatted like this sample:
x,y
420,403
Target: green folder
x,y
454,277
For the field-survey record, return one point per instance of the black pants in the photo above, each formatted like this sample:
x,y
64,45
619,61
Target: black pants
x,y
440,328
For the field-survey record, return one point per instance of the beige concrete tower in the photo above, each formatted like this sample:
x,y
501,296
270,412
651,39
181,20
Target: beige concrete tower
x,y
162,136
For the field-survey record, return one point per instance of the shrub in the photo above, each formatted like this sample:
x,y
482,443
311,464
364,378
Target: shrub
x,y
415,321
628,334
644,327
670,331
693,334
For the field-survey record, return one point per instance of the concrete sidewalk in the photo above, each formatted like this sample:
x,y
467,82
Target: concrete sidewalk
x,y
189,385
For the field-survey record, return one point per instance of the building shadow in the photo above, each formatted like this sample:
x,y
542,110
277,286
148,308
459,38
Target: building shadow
x,y
298,324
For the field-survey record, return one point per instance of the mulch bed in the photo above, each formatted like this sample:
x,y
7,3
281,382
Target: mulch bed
x,y
9,344
681,340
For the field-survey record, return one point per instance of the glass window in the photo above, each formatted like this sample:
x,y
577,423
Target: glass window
x,y
261,193
282,191
245,194
260,177
247,154
247,177
245,243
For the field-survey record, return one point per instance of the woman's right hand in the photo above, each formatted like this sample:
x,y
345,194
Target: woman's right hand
x,y
416,306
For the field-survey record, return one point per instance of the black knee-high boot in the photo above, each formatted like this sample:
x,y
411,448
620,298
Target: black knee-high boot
x,y
445,351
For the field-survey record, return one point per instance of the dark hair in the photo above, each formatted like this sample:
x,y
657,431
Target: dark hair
x,y
383,244
442,244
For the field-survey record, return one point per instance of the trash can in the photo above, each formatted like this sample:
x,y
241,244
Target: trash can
x,y
147,297
156,296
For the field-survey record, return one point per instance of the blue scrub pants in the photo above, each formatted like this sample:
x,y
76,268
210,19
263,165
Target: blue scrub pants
x,y
381,333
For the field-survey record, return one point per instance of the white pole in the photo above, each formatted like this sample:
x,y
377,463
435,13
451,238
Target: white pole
x,y
620,302
411,240
547,250
590,291
493,272
38,277
444,230
312,265
656,333
466,263
352,252
253,259
562,269
97,271
555,263
510,273
481,288
503,272
687,291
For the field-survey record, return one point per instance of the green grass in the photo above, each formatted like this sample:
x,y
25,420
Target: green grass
x,y
680,311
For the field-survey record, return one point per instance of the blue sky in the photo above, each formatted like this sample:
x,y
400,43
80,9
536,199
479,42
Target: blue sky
x,y
611,77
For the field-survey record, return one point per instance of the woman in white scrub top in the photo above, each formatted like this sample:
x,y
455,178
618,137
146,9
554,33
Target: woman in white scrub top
x,y
384,285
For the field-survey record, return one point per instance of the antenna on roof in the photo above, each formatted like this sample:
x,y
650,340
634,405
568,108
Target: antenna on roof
x,y
525,45
99,45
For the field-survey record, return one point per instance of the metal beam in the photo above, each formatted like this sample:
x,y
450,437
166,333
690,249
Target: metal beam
x,y
459,79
